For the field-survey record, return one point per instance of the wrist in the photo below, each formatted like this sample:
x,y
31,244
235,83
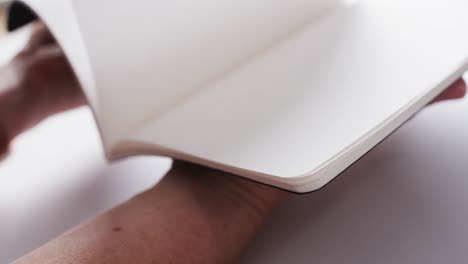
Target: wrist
x,y
228,210
254,200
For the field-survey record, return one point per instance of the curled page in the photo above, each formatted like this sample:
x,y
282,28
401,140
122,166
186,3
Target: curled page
x,y
137,60
148,56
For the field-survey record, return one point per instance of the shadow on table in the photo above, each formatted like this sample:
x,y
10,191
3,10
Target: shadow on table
x,y
405,202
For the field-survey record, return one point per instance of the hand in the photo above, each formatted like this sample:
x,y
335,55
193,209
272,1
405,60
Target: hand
x,y
37,84
194,215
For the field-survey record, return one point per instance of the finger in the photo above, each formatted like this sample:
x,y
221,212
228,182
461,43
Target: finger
x,y
39,37
455,91
46,86
50,83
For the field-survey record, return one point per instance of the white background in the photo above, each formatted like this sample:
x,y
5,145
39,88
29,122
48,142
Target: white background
x,y
405,202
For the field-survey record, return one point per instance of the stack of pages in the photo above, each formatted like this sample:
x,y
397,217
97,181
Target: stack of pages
x,y
287,93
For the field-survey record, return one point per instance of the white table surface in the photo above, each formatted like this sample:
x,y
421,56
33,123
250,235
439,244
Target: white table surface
x,y
405,202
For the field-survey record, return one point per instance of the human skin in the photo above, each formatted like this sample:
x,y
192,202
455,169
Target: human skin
x,y
194,215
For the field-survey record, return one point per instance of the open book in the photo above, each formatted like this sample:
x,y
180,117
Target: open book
x,y
287,93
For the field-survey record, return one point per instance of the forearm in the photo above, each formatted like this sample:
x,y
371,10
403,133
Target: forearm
x,y
194,215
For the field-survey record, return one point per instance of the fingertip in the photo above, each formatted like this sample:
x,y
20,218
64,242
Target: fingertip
x,y
462,88
456,91
40,36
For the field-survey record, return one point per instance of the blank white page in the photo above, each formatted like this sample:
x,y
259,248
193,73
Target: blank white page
x,y
334,88
148,56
